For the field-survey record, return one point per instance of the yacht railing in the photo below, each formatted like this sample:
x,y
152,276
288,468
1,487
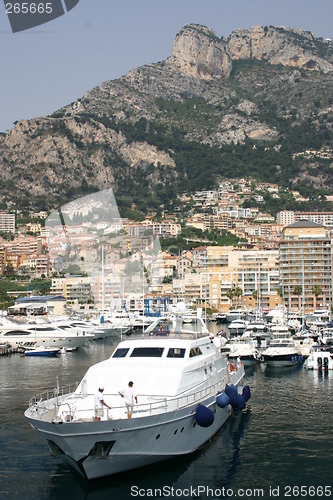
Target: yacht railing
x,y
41,408
53,393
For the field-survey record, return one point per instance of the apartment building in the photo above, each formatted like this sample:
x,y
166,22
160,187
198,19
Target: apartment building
x,y
305,254
74,289
255,272
7,222
23,245
287,217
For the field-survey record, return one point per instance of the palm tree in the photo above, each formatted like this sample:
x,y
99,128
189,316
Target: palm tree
x,y
230,295
316,290
298,289
238,292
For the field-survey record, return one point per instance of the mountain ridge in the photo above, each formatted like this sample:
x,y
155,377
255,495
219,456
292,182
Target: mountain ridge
x,y
250,89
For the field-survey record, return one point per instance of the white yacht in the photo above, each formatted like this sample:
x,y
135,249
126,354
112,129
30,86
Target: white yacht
x,y
255,328
42,334
234,314
237,327
319,360
181,379
242,349
282,350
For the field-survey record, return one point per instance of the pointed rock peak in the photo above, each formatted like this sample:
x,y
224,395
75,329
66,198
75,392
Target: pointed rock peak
x,y
198,52
203,30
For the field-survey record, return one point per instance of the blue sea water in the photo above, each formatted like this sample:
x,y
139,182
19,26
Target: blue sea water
x,y
280,446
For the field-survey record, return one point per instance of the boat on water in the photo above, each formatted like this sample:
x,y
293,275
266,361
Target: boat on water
x,y
234,314
242,350
41,351
319,360
220,317
186,391
237,327
42,334
282,349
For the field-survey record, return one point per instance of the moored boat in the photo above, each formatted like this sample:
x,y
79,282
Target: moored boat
x,y
185,389
237,327
319,360
282,350
42,351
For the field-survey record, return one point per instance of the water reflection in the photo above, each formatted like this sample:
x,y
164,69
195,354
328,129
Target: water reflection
x,y
214,465
284,437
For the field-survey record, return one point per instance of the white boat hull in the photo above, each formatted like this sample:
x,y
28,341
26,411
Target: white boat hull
x,y
149,439
319,361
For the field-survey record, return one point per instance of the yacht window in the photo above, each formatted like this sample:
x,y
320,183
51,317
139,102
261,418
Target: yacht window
x,y
16,332
42,329
175,352
147,352
195,351
120,353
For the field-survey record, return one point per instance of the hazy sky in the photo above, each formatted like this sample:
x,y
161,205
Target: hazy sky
x,y
44,68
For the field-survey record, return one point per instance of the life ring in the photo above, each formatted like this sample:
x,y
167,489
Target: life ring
x,y
232,367
265,329
139,306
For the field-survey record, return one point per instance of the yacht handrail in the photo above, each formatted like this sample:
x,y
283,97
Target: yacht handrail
x,y
39,403
52,393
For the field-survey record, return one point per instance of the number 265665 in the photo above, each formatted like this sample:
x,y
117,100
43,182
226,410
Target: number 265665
x,y
29,8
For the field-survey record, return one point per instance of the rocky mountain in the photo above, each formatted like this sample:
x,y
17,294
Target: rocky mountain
x,y
247,105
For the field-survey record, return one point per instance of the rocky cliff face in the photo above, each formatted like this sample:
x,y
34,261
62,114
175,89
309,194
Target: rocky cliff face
x,y
198,52
215,91
277,46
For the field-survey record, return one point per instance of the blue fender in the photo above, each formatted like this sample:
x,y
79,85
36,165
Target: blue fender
x,y
246,392
222,400
204,416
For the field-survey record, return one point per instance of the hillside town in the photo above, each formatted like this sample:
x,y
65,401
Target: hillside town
x,y
282,259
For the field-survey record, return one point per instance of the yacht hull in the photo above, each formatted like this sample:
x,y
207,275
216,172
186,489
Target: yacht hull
x,y
98,449
282,360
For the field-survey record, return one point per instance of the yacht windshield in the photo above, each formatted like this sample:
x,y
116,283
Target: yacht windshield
x,y
175,352
120,353
147,352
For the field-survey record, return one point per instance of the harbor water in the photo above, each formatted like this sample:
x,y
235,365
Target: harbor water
x,y
280,446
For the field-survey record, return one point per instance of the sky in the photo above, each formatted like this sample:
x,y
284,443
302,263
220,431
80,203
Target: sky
x,y
47,67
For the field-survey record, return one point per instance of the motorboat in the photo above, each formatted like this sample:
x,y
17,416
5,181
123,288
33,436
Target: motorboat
x,y
282,350
42,351
189,317
220,317
327,338
242,350
141,322
237,327
257,328
186,391
319,360
42,334
276,316
234,314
